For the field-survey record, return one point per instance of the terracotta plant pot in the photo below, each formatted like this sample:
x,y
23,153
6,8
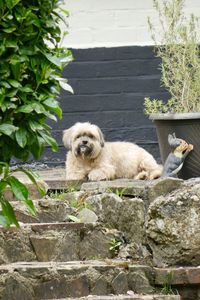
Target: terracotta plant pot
x,y
186,126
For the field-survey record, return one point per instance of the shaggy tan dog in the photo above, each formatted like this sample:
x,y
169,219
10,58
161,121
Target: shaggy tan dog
x,y
90,157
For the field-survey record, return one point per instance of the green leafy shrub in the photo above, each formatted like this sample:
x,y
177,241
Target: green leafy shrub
x,y
31,65
179,52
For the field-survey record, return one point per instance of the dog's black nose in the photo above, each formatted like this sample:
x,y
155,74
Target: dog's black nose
x,y
85,142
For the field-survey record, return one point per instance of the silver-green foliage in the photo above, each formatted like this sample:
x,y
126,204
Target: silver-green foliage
x,y
179,52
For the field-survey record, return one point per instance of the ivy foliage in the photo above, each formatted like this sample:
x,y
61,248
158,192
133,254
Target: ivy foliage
x,y
31,65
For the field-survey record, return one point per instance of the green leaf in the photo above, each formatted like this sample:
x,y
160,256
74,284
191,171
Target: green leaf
x,y
5,84
11,44
31,208
53,59
8,213
7,129
3,185
63,83
33,177
5,168
14,83
7,105
50,141
12,93
54,105
21,137
12,3
26,89
35,126
9,30
15,59
16,70
37,147
19,190
34,106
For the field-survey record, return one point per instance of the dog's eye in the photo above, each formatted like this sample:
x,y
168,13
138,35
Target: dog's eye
x,y
91,136
77,137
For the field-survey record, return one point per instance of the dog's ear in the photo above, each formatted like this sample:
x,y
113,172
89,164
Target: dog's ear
x,y
101,137
67,133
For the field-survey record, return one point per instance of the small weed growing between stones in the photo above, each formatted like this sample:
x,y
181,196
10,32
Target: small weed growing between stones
x,y
79,204
73,188
120,192
167,286
115,246
61,194
57,195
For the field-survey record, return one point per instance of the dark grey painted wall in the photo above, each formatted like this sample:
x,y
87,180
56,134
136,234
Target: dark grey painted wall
x,y
109,89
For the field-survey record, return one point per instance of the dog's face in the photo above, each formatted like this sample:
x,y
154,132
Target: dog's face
x,y
85,140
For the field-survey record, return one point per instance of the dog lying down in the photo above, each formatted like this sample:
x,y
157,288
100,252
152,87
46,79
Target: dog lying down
x,y
91,158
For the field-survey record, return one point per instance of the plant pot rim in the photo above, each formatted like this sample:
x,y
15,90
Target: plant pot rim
x,y
175,116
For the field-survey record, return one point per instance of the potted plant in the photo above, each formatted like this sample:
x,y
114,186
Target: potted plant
x,y
179,52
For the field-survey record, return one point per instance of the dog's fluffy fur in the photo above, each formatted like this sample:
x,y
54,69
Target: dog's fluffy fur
x,y
90,157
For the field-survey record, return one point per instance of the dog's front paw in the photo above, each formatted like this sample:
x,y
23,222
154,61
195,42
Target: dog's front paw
x,y
96,175
143,175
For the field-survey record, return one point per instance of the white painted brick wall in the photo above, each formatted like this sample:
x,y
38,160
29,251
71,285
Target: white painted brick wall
x,y
109,23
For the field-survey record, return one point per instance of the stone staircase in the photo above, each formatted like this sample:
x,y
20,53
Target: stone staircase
x,y
90,241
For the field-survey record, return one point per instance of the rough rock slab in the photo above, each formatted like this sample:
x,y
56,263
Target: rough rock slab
x,y
134,188
145,189
62,184
173,227
48,210
54,242
125,297
179,275
126,215
22,281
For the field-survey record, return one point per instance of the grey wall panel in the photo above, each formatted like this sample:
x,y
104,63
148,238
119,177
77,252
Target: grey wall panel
x,y
109,89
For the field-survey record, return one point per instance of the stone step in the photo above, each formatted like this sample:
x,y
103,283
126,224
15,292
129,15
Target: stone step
x,y
55,242
184,279
126,215
54,280
126,297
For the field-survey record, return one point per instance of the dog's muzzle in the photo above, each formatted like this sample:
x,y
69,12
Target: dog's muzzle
x,y
84,150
